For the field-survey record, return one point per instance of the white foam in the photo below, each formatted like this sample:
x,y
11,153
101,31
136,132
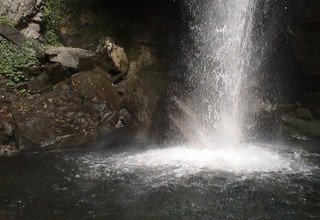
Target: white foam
x,y
178,162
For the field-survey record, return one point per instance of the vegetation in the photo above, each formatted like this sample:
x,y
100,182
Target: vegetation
x,y
14,58
8,21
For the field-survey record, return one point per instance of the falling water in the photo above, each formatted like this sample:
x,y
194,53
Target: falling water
x,y
218,65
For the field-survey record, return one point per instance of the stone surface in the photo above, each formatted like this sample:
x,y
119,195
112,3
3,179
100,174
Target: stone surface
x,y
54,120
6,131
294,124
62,120
32,30
69,57
11,34
142,85
17,9
95,86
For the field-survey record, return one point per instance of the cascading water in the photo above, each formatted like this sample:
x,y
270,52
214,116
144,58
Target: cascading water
x,y
218,67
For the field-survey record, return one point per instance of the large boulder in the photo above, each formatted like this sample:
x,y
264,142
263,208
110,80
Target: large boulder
x,y
72,115
73,58
54,120
95,86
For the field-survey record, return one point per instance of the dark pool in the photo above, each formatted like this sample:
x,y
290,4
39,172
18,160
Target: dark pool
x,y
174,183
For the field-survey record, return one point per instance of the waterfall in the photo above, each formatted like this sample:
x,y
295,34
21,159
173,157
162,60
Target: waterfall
x,y
218,66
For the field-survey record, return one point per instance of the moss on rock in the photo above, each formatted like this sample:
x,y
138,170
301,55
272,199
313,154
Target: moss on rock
x,y
14,58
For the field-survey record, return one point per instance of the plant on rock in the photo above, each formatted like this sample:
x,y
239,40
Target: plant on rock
x,y
14,58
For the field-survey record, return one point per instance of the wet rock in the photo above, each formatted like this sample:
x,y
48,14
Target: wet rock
x,y
143,84
93,85
12,34
54,120
70,57
116,120
312,101
63,120
304,113
294,125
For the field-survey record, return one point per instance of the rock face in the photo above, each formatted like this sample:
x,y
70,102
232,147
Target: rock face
x,y
295,126
69,117
46,76
95,86
142,86
54,121
17,9
6,131
69,57
11,34
305,37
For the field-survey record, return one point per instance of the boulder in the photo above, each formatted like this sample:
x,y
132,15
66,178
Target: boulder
x,y
73,58
11,34
54,120
95,86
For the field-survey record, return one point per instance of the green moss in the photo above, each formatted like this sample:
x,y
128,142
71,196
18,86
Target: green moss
x,y
14,58
51,39
7,21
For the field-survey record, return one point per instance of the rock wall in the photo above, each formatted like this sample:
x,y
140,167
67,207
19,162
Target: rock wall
x,y
17,9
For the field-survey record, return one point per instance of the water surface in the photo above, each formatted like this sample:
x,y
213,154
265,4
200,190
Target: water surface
x,y
179,182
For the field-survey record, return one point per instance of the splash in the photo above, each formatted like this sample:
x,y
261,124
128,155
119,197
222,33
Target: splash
x,y
159,166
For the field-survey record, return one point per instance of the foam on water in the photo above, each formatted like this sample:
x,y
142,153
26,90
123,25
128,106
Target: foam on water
x,y
178,162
